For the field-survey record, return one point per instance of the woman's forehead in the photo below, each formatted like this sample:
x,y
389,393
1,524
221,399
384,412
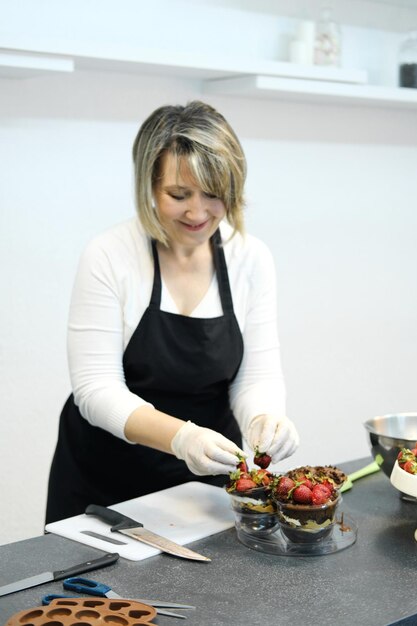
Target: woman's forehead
x,y
176,170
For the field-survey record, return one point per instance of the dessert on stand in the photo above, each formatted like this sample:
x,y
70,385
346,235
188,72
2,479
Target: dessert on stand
x,y
294,514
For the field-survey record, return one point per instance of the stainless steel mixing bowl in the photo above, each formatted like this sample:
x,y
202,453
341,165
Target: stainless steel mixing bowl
x,y
387,434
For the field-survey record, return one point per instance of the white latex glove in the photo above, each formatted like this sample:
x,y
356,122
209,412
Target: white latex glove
x,y
205,451
275,436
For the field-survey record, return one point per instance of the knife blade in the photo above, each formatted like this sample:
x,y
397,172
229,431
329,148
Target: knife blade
x,y
46,577
91,533
130,527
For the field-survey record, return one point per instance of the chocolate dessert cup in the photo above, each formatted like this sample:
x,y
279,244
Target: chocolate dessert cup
x,y
255,510
307,523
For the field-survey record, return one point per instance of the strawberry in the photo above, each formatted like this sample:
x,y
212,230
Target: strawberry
x,y
284,487
262,459
305,481
242,465
302,494
320,494
329,485
323,487
262,476
244,484
410,467
406,458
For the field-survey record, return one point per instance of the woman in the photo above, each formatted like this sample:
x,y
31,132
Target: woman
x,y
173,347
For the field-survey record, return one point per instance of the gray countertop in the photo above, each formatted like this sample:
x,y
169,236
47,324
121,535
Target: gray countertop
x,y
371,583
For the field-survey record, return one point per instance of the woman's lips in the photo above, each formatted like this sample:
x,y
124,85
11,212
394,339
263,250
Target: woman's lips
x,y
194,227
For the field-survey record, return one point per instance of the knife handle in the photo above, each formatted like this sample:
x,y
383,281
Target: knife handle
x,y
116,519
103,561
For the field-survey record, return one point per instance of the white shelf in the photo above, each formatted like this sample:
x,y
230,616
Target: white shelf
x,y
124,58
212,69
231,76
17,64
313,91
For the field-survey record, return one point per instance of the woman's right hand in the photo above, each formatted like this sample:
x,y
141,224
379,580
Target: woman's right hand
x,y
277,436
204,450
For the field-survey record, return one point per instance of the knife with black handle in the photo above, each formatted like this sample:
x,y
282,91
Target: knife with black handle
x,y
45,577
127,526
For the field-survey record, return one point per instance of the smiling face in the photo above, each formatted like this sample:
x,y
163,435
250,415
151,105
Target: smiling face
x,y
198,136
188,215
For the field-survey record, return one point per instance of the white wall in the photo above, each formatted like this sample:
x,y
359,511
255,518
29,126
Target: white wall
x,y
331,189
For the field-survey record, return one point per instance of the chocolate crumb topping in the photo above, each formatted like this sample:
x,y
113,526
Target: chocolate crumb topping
x,y
329,471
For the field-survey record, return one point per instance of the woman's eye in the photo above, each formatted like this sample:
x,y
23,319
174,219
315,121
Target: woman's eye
x,y
175,197
211,196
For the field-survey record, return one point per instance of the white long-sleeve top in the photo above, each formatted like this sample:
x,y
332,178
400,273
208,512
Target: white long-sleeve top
x,y
111,292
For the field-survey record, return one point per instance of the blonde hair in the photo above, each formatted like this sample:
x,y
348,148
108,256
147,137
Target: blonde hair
x,y
200,135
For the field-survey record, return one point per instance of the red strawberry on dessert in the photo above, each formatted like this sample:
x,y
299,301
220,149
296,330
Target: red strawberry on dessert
x,y
320,494
262,476
244,484
302,494
242,464
328,485
284,486
324,487
305,481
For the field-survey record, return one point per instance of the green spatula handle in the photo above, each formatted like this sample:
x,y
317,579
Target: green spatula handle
x,y
365,471
360,473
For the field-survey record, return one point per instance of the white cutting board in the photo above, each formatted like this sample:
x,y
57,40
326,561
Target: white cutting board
x,y
183,514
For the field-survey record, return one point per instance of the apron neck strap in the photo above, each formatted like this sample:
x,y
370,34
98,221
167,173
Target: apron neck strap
x,y
155,302
221,272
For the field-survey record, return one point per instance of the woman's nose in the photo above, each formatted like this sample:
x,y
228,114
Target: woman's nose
x,y
196,206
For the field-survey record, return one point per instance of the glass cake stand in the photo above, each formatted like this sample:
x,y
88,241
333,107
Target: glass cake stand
x,y
342,535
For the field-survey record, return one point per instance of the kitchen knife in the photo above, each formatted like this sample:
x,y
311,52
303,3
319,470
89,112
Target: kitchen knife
x,y
122,524
46,577
91,533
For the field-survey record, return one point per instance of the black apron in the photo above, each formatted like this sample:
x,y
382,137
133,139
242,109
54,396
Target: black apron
x,y
180,364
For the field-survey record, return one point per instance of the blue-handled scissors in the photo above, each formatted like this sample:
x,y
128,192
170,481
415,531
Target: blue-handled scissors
x,y
94,588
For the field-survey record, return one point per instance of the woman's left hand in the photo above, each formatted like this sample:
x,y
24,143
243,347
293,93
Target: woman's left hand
x,y
204,450
275,436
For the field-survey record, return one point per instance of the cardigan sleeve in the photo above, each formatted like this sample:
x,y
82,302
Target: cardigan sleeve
x,y
259,386
96,340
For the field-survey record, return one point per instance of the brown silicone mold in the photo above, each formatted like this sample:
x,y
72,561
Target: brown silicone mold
x,y
85,612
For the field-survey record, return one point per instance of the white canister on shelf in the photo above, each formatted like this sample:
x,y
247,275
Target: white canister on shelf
x,y
302,46
328,40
